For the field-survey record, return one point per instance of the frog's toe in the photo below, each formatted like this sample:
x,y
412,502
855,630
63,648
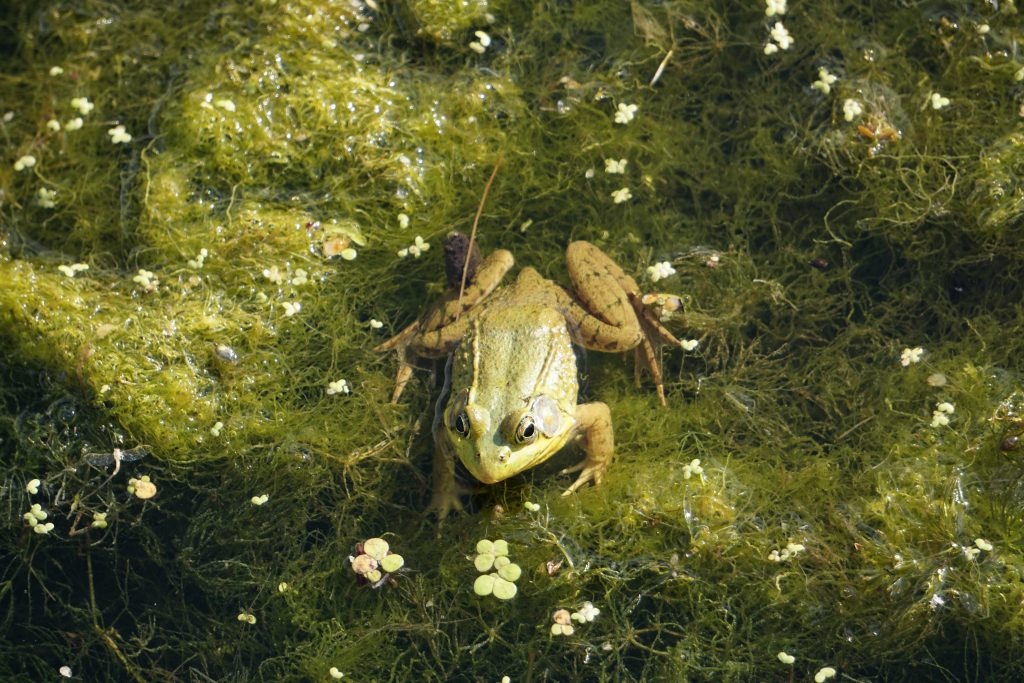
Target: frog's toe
x,y
442,504
589,471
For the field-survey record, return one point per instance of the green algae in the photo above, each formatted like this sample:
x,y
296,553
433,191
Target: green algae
x,y
262,129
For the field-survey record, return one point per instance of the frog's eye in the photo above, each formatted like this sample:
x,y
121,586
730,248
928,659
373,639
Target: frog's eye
x,y
461,424
526,430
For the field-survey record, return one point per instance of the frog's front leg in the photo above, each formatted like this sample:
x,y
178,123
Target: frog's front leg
x,y
447,491
594,423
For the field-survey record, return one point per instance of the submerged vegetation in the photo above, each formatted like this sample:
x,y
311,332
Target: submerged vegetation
x,y
210,212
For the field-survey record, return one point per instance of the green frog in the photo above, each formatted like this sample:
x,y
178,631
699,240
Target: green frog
x,y
510,399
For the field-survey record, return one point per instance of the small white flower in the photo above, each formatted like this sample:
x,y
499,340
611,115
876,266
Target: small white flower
x,y
824,673
586,613
613,166
938,101
225,104
32,488
300,277
24,162
291,308
56,70
375,324
773,7
625,113
403,221
46,198
82,104
336,673
910,356
339,386
786,658
693,468
852,109
983,544
259,500
147,279
73,124
273,274
118,135
415,249
781,36
660,271
199,260
53,124
825,81
621,195
688,344
215,429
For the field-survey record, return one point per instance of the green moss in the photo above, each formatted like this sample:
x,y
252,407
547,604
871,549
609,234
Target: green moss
x,y
809,250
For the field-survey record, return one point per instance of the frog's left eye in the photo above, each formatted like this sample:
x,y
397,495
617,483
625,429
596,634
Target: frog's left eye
x,y
526,430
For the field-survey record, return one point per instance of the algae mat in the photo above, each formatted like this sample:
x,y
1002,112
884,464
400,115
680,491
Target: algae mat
x,y
210,212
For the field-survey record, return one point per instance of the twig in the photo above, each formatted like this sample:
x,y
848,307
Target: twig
x,y
472,233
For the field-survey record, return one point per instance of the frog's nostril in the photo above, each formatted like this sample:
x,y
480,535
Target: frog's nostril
x,y
504,453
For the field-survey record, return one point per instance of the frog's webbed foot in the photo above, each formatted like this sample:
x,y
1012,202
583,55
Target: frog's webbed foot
x,y
654,334
594,422
447,499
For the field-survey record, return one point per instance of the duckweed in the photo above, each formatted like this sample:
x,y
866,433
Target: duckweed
x,y
841,256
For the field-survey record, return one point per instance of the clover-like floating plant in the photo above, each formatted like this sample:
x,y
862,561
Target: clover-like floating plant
x,y
501,582
375,562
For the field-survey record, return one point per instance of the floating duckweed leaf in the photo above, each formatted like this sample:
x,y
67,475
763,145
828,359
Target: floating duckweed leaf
x,y
392,563
501,547
376,548
373,576
501,561
484,584
510,572
502,589
483,562
484,547
363,564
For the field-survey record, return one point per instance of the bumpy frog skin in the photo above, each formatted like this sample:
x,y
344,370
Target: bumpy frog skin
x,y
511,383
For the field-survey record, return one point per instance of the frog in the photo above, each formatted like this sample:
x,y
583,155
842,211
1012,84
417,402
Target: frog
x,y
510,400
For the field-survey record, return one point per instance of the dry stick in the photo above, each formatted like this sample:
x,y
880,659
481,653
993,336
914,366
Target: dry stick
x,y
472,233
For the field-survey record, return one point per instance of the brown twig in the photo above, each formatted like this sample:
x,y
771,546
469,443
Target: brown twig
x,y
472,233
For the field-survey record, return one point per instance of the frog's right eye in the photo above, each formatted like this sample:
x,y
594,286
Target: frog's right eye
x,y
461,424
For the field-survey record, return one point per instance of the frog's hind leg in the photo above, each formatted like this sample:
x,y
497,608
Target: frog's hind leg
x,y
592,271
434,334
594,422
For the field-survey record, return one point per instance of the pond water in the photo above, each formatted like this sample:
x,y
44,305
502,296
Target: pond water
x,y
212,212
